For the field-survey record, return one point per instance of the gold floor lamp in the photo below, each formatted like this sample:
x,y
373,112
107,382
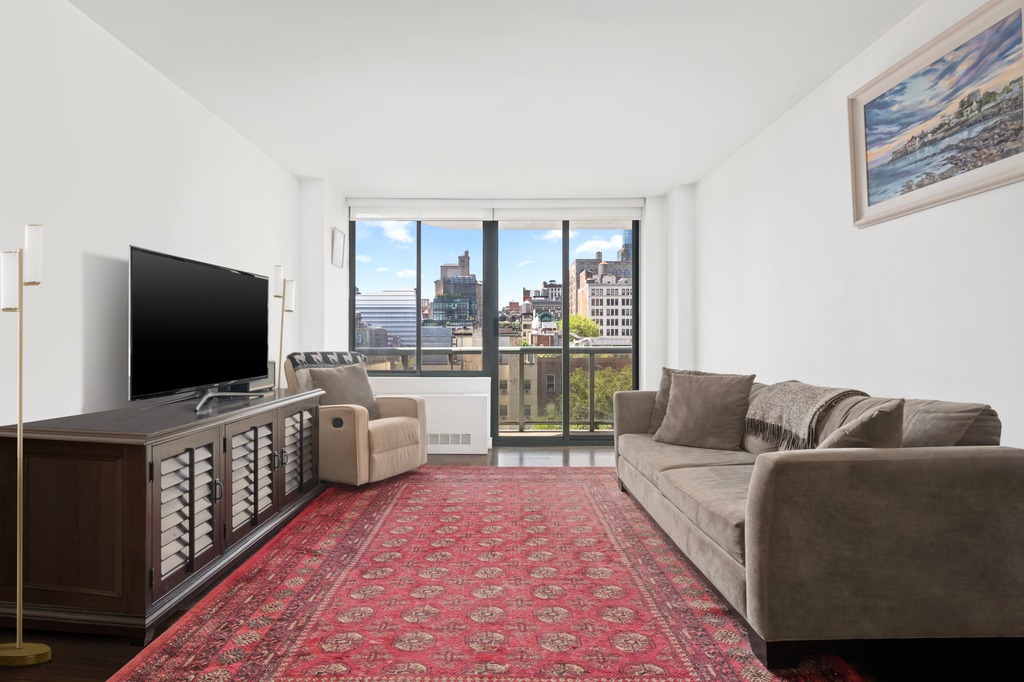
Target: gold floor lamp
x,y
284,289
19,269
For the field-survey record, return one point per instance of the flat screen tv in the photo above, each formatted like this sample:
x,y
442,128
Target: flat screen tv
x,y
193,326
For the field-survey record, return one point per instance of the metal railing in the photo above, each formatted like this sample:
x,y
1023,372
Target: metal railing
x,y
519,364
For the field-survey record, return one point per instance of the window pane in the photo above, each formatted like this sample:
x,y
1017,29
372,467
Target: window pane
x,y
530,302
451,255
600,300
387,310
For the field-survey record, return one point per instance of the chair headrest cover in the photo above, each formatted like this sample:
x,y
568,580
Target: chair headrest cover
x,y
324,359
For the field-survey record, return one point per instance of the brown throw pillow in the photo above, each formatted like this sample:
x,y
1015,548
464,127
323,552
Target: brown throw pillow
x,y
345,385
661,399
882,427
706,411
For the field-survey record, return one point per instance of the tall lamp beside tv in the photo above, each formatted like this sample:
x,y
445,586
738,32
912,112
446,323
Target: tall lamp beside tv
x,y
284,289
19,269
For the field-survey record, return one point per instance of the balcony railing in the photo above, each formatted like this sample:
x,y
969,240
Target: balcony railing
x,y
590,409
595,372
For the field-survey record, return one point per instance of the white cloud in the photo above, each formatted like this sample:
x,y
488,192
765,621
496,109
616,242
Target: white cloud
x,y
393,230
607,245
363,259
524,263
383,269
398,232
556,235
406,273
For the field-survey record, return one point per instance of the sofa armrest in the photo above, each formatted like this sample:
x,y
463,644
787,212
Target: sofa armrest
x,y
886,543
631,413
343,445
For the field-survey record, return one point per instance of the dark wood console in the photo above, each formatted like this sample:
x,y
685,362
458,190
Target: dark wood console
x,y
130,512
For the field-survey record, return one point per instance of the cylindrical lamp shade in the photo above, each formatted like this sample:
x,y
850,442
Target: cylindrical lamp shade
x,y
9,281
278,281
289,296
33,254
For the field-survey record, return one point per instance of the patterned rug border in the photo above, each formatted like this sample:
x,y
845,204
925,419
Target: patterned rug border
x,y
704,635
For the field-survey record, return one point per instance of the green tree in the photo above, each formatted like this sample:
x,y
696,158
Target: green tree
x,y
607,380
582,327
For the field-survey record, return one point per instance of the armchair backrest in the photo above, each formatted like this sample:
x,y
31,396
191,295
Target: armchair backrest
x,y
297,365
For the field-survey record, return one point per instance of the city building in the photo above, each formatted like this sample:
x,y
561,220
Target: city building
x,y
616,268
458,295
394,310
608,301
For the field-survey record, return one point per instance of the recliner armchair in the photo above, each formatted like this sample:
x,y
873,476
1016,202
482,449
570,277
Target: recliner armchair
x,y
353,445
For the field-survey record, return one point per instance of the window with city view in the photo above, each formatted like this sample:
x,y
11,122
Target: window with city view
x,y
564,334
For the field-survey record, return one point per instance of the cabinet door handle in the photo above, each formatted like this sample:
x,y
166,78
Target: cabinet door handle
x,y
284,456
218,489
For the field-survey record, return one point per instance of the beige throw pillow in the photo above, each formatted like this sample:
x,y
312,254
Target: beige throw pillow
x,y
706,411
882,427
345,385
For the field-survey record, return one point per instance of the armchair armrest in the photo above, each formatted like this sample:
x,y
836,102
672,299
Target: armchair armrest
x,y
886,543
406,406
343,443
402,406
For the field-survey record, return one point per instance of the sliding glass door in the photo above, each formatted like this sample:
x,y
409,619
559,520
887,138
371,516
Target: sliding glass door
x,y
564,327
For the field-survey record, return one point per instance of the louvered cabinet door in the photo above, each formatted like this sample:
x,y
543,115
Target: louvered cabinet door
x,y
298,463
187,488
252,461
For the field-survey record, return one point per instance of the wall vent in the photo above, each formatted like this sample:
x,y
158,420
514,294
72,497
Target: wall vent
x,y
449,439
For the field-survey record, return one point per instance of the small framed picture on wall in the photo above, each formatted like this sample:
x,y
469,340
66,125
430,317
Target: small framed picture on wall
x,y
337,247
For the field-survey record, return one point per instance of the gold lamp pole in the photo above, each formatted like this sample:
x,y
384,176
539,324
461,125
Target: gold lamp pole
x,y
284,289
19,269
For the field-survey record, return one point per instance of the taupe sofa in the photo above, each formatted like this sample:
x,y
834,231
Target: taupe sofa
x,y
814,546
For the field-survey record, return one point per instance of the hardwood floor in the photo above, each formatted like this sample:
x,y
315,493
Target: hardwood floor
x,y
94,658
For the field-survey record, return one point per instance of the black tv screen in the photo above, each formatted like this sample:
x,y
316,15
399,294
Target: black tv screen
x,y
193,325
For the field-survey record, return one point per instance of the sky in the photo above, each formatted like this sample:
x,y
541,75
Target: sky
x,y
386,254
989,60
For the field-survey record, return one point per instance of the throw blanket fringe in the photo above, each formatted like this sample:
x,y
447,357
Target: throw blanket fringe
x,y
786,414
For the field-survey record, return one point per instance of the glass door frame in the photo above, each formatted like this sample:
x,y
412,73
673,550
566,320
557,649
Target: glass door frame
x,y
492,350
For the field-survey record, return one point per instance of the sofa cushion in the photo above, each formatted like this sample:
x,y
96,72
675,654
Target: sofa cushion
x,y
714,498
706,411
650,457
390,433
940,423
664,389
345,385
878,428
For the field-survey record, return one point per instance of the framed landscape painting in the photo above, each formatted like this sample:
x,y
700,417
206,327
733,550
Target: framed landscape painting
x,y
944,123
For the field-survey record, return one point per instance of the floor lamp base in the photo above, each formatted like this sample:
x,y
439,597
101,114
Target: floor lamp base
x,y
28,654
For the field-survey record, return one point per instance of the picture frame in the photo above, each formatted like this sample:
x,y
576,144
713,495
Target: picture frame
x,y
945,122
337,247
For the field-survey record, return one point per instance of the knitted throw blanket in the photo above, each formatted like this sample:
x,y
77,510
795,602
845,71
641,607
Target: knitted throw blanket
x,y
786,413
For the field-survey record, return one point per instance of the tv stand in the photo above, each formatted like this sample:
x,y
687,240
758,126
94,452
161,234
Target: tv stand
x,y
131,513
226,394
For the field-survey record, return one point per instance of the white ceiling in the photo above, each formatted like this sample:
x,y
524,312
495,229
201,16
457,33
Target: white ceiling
x,y
498,98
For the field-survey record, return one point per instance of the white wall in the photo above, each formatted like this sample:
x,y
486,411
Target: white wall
x,y
653,293
106,153
322,287
923,306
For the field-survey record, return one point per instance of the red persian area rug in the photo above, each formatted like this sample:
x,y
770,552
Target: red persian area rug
x,y
463,573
